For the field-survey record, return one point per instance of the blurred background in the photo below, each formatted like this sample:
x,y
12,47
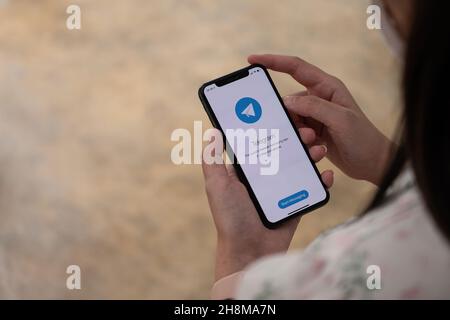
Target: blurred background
x,y
85,123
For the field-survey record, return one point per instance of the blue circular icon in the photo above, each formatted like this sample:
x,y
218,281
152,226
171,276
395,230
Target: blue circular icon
x,y
248,110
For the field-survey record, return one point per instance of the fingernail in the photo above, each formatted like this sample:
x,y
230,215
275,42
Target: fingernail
x,y
325,149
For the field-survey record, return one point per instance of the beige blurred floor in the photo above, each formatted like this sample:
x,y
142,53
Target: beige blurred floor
x,y
85,123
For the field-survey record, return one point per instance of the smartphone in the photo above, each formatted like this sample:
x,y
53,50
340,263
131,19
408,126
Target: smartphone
x,y
247,101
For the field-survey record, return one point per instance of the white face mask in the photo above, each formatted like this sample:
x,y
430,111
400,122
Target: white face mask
x,y
390,33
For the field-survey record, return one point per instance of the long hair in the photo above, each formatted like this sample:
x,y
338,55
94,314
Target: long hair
x,y
425,125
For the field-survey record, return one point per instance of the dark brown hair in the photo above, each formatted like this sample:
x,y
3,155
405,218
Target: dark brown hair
x,y
425,133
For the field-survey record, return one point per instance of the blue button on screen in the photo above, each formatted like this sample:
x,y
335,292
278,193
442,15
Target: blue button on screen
x,y
293,199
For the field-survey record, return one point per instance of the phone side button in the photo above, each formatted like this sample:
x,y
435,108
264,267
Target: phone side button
x,y
293,199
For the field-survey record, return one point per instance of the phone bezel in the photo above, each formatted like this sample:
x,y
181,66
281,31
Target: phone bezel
x,y
234,76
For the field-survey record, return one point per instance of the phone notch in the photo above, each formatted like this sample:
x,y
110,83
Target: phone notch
x,y
232,77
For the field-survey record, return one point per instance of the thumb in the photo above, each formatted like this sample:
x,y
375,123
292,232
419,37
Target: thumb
x,y
215,168
316,108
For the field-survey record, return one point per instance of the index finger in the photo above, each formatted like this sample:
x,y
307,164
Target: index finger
x,y
305,73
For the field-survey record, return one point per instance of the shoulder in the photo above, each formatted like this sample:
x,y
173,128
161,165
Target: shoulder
x,y
398,240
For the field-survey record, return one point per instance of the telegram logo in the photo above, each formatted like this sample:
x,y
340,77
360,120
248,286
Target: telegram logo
x,y
248,110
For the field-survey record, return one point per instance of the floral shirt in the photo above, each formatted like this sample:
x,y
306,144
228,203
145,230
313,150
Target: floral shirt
x,y
394,252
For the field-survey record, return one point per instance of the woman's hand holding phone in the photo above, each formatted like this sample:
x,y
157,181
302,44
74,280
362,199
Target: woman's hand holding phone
x,y
328,112
326,115
241,237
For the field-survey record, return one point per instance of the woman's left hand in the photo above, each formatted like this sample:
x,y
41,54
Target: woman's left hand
x,y
242,238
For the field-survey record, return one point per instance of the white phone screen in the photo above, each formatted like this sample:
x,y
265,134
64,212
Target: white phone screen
x,y
288,183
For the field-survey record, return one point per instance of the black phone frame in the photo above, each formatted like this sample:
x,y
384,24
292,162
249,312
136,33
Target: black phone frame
x,y
234,76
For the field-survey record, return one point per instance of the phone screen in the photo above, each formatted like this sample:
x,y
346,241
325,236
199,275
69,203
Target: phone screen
x,y
290,183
